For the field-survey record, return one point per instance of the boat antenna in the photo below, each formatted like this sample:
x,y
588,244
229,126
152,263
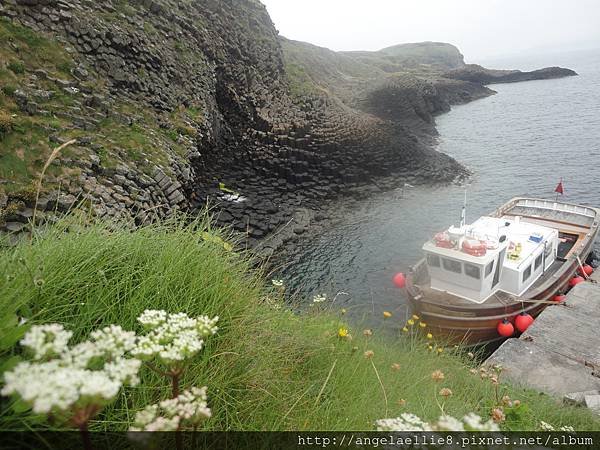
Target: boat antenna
x,y
463,214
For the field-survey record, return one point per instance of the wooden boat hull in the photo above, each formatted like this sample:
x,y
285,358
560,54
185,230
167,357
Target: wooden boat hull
x,y
457,321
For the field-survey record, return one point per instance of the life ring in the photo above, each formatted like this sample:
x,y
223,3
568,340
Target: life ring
x,y
474,247
443,240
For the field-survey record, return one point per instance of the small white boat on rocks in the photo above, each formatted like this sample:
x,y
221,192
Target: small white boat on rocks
x,y
486,281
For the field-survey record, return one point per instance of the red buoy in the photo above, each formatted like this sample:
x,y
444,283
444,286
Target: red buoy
x,y
523,321
585,270
576,280
505,328
559,298
400,280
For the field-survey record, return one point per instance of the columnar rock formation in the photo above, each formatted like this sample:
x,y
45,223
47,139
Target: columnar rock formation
x,y
177,103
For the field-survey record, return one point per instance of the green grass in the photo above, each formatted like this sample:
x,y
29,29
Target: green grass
x,y
267,368
24,145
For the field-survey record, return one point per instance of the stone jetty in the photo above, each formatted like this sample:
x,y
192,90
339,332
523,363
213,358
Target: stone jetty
x,y
559,354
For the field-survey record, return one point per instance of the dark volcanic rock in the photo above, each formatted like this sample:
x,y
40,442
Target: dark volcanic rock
x,y
477,74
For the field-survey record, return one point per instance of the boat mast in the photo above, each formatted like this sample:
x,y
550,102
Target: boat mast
x,y
463,214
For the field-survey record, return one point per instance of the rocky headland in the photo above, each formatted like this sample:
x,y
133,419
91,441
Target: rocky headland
x,y
177,104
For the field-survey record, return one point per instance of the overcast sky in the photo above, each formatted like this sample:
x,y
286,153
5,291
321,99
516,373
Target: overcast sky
x,y
480,28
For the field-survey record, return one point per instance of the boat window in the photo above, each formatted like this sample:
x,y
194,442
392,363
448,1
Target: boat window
x,y
547,250
472,271
433,260
489,268
452,265
538,261
526,274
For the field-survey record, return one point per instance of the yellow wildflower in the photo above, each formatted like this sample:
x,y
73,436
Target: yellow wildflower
x,y
411,322
343,332
429,336
343,311
387,314
405,330
415,317
422,324
440,350
430,347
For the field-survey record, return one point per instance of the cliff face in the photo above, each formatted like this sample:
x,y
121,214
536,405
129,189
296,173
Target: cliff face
x,y
174,104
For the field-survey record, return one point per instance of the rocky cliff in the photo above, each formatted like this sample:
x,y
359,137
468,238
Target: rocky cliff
x,y
176,104
477,74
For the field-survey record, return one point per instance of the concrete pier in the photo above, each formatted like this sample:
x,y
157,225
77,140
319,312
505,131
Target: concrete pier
x,y
559,354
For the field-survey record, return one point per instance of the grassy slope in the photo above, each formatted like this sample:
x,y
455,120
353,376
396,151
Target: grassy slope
x,y
267,368
24,143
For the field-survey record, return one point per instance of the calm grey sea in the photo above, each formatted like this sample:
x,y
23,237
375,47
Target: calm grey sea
x,y
520,141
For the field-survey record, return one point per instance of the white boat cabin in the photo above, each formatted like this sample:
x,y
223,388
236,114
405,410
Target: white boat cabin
x,y
492,254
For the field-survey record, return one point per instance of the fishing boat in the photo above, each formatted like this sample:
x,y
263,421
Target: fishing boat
x,y
476,280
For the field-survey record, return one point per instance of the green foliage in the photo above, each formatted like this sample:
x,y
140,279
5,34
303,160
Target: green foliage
x,y
8,90
300,82
17,67
267,368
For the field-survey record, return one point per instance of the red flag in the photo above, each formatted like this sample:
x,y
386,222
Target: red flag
x,y
559,188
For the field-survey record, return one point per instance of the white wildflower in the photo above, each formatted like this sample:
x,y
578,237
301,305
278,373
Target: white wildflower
x,y
188,409
152,318
113,340
449,423
173,337
46,340
411,422
277,283
89,373
406,422
319,298
546,426
207,326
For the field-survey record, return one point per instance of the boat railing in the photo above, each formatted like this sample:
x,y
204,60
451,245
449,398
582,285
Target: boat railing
x,y
550,205
557,206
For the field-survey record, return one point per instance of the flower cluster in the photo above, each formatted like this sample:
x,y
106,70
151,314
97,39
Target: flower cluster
x,y
172,337
46,341
69,378
406,422
186,410
319,298
411,422
544,426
